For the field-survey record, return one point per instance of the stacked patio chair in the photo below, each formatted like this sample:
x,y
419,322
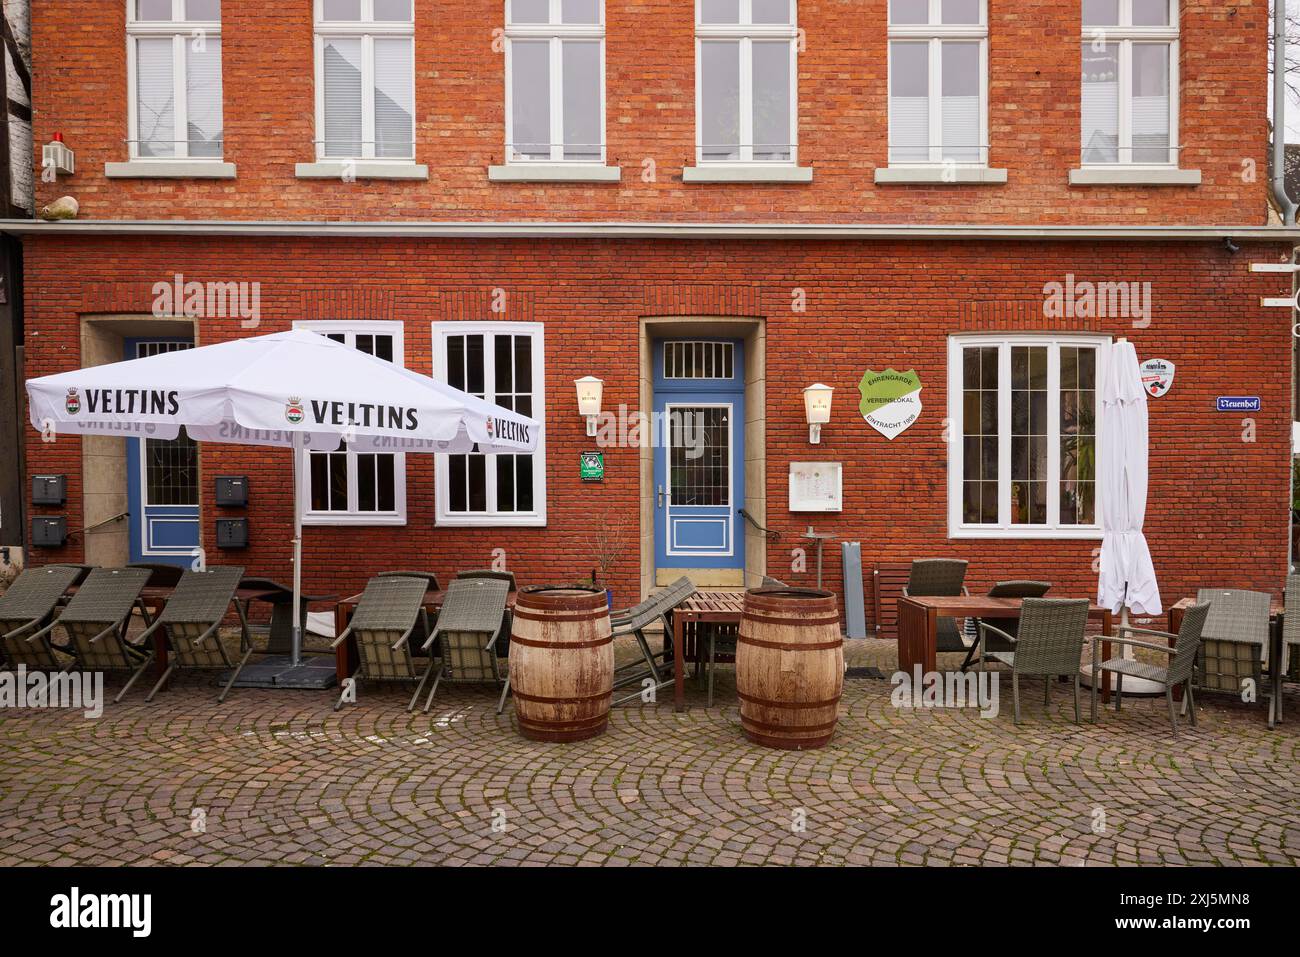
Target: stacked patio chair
x,y
1234,642
1008,589
388,613
191,623
507,621
421,633
95,622
1177,672
1290,636
1050,643
160,576
633,621
470,624
26,608
940,578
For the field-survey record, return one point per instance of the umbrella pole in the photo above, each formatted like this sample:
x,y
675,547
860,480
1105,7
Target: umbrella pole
x,y
296,649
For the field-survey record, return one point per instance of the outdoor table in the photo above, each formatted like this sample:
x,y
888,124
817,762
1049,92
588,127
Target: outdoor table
x,y
1275,614
711,607
345,655
918,625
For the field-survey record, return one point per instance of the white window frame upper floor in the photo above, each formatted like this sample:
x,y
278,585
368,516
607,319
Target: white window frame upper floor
x,y
1005,528
187,36
746,33
1128,168
353,515
365,164
491,517
556,33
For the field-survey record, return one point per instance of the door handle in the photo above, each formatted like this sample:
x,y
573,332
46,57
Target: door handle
x,y
661,496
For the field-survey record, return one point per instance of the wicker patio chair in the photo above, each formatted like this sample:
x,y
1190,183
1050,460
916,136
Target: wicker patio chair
x,y
1234,641
770,582
160,576
1290,636
1007,589
388,612
507,620
421,633
191,623
469,626
938,578
1177,672
634,621
95,622
490,574
1050,643
26,608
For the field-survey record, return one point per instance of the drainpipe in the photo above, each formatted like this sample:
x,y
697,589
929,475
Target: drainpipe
x,y
1284,202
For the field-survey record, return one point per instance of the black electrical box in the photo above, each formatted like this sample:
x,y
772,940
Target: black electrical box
x,y
49,489
49,531
232,491
232,533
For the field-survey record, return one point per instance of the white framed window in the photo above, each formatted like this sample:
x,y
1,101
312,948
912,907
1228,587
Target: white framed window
x,y
746,90
502,362
555,81
1129,84
365,80
938,82
1024,411
347,487
174,79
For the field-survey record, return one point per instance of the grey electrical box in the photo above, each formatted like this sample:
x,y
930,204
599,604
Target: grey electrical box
x,y
49,489
232,533
232,491
49,531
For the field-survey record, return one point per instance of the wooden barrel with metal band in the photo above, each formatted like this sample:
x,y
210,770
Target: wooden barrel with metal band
x,y
561,662
789,667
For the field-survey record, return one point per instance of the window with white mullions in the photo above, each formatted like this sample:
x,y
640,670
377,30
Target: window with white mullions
x,y
1023,459
555,81
365,80
174,70
502,363
357,488
745,88
938,69
1129,85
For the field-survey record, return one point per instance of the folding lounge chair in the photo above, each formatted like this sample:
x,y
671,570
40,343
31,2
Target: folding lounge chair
x,y
507,621
940,577
191,621
26,608
1009,589
470,623
96,621
634,621
388,612
421,633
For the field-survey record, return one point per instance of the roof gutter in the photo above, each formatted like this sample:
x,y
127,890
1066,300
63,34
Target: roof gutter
x,y
647,230
1285,204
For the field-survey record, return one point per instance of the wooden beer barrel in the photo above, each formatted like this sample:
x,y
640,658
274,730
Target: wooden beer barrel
x,y
789,667
561,662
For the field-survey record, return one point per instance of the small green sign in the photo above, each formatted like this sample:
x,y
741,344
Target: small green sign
x,y
592,466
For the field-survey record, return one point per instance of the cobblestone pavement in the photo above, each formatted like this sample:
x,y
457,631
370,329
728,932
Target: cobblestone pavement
x,y
279,778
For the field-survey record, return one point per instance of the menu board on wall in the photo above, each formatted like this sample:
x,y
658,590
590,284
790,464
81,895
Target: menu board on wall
x,y
816,487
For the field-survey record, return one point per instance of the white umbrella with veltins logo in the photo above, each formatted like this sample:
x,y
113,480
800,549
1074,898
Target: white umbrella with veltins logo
x,y
295,389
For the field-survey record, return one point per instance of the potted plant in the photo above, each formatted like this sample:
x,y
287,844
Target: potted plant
x,y
607,540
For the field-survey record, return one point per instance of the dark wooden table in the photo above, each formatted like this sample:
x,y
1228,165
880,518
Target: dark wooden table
x,y
1275,613
918,625
704,607
345,655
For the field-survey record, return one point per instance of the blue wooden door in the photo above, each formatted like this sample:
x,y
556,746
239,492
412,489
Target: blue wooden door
x,y
162,480
699,406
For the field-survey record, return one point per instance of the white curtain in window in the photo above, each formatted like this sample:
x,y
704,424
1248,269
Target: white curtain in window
x,y
1100,104
342,71
580,70
909,102
771,62
960,103
1151,103
394,98
203,97
720,99
530,98
155,97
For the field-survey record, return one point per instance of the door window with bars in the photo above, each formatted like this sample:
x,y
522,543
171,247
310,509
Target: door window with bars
x,y
699,449
365,76
937,66
347,487
1024,459
1129,82
170,466
555,62
502,363
174,57
745,52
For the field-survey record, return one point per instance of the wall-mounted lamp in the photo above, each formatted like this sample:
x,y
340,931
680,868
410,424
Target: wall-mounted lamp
x,y
590,392
817,407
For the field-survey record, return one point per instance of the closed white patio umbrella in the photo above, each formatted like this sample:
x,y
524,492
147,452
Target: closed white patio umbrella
x,y
294,389
1127,578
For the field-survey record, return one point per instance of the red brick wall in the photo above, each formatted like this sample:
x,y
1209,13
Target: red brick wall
x,y
81,90
1218,505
